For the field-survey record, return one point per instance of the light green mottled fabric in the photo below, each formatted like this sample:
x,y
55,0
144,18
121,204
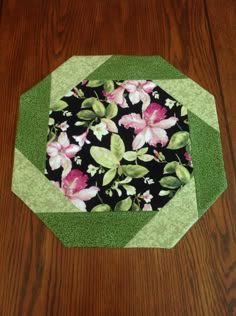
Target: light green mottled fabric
x,y
208,162
194,97
136,67
168,226
35,189
32,126
72,72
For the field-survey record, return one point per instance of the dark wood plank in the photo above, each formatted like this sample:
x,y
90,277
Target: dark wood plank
x,y
221,17
223,39
38,275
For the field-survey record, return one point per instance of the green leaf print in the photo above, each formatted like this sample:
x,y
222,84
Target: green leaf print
x,y
123,205
58,106
170,182
183,174
111,110
134,171
146,157
101,208
117,146
170,167
95,83
130,155
109,176
109,86
99,108
104,157
86,115
178,140
87,103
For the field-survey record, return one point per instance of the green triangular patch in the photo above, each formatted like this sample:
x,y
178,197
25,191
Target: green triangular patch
x,y
136,67
209,172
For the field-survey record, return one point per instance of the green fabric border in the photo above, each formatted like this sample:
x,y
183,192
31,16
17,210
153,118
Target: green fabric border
x,y
71,72
168,226
89,230
112,230
35,189
208,162
32,126
136,67
194,98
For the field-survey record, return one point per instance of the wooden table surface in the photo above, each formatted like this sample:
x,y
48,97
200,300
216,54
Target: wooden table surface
x,y
38,276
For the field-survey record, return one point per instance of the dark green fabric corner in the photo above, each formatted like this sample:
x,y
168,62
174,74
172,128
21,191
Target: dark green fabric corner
x,y
113,230
31,137
209,171
136,67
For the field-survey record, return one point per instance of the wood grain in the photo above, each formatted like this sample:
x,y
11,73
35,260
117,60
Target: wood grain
x,y
41,277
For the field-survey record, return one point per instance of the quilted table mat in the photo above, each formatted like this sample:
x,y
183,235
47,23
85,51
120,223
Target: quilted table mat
x,y
118,151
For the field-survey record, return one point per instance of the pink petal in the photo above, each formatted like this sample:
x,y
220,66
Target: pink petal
x,y
63,126
134,97
72,150
81,139
187,156
55,162
75,181
63,140
139,141
158,136
53,148
88,194
66,165
147,196
147,207
154,113
149,86
116,96
110,125
133,120
145,98
130,85
124,104
78,203
142,138
147,134
165,124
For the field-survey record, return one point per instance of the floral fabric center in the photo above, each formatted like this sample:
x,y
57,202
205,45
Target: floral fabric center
x,y
118,146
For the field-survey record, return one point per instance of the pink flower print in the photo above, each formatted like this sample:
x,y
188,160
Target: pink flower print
x,y
81,139
74,188
116,96
61,151
110,125
63,126
147,196
138,91
147,207
187,156
150,128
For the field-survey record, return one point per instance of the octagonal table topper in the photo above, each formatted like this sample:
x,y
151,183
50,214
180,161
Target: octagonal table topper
x,y
118,151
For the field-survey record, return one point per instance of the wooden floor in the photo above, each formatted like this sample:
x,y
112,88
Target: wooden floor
x,y
38,276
